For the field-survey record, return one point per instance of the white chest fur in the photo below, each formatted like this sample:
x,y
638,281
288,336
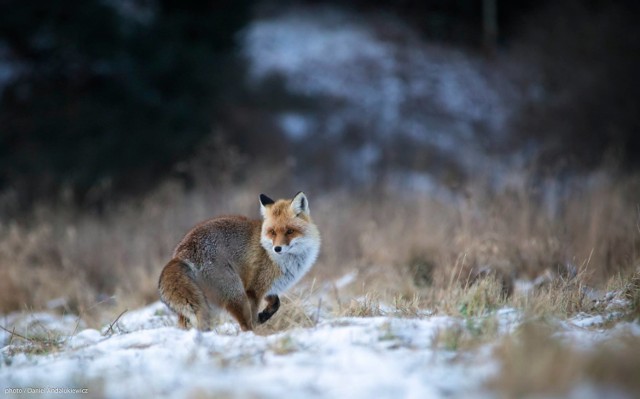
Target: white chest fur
x,y
294,264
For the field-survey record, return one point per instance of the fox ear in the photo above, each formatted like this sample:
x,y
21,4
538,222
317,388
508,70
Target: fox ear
x,y
300,204
264,202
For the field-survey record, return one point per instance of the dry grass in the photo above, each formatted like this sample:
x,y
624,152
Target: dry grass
x,y
297,310
533,361
37,341
631,292
366,306
410,250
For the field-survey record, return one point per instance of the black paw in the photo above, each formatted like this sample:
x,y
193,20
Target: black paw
x,y
264,316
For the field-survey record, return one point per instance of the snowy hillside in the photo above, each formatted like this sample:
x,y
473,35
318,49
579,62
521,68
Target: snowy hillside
x,y
379,77
144,355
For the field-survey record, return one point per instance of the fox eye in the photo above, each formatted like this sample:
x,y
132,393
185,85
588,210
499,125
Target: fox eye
x,y
289,232
271,232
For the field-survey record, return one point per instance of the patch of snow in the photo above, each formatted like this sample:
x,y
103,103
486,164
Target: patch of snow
x,y
84,338
319,43
508,320
583,330
329,52
355,357
346,279
155,315
617,304
586,321
351,357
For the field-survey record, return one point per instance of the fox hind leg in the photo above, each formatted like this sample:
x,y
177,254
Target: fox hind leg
x,y
179,291
240,308
183,321
226,290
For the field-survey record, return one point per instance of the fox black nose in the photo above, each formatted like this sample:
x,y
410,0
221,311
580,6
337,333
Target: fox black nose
x,y
278,249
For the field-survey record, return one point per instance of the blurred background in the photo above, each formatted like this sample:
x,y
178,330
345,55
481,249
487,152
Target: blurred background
x,y
505,130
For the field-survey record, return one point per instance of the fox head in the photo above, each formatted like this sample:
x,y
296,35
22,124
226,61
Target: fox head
x,y
287,227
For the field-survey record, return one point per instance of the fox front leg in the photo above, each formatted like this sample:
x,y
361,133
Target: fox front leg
x,y
273,304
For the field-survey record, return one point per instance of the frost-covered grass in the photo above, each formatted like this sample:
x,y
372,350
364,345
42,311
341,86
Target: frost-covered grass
x,y
334,338
480,345
381,352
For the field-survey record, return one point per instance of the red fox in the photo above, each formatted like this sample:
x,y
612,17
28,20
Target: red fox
x,y
233,262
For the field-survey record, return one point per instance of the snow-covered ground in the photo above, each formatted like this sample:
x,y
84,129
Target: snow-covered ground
x,y
145,355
